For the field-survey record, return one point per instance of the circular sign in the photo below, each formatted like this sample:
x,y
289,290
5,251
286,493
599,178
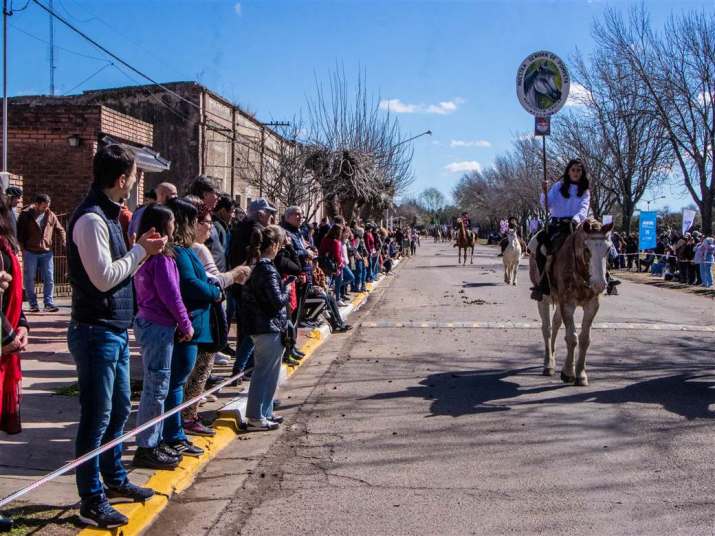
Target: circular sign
x,y
542,83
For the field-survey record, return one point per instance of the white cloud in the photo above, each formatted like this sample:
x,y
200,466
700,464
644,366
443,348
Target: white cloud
x,y
578,95
464,166
237,8
441,108
470,143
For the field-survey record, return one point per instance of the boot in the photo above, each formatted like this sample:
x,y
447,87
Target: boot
x,y
542,288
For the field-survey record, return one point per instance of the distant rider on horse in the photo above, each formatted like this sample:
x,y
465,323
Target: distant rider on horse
x,y
568,204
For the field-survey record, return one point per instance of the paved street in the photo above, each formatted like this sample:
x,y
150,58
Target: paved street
x,y
410,426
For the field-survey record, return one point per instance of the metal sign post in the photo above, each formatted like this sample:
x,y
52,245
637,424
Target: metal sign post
x,y
542,85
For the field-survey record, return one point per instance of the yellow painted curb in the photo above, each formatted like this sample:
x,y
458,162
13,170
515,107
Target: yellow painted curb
x,y
167,483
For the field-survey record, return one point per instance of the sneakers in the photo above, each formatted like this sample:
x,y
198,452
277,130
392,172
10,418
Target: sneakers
x,y
221,359
155,458
277,418
130,491
261,425
187,448
168,450
97,512
34,309
197,428
341,303
51,308
343,328
291,361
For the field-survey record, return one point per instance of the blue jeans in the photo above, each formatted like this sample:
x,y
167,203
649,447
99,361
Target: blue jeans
x,y
264,381
157,346
244,354
183,360
359,283
348,278
30,263
374,267
337,283
706,271
102,359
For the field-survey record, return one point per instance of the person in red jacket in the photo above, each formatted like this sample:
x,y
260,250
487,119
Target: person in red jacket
x,y
332,247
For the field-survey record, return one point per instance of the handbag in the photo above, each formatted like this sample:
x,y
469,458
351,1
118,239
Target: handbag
x,y
327,264
219,329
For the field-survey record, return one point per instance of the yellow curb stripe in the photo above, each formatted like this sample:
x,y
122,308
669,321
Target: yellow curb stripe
x,y
167,483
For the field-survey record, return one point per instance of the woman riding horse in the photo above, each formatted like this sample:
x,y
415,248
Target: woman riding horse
x,y
568,202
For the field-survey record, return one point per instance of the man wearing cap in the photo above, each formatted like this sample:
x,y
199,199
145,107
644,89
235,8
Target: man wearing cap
x,y
14,196
258,216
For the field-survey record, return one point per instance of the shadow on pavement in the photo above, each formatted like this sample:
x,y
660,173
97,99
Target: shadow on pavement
x,y
686,395
463,393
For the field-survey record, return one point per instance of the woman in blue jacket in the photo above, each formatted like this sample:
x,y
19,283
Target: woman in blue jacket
x,y
198,295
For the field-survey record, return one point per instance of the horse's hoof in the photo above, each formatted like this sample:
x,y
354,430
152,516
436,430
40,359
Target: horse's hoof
x,y
566,378
581,382
548,372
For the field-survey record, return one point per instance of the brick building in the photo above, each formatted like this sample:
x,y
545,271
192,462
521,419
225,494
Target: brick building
x,y
52,140
201,133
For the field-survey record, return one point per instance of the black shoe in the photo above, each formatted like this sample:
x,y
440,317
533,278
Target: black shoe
x,y
166,449
51,308
214,380
155,458
536,294
130,491
5,524
35,309
187,448
343,328
297,352
228,349
99,513
277,418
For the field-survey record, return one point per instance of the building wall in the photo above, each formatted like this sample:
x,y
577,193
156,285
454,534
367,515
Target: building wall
x,y
176,125
39,150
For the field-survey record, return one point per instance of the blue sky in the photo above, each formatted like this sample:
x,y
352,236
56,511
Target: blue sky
x,y
445,66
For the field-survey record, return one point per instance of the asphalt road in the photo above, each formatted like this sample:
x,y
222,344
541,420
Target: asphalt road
x,y
398,428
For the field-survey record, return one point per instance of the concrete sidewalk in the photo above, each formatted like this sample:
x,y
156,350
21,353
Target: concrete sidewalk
x,y
50,411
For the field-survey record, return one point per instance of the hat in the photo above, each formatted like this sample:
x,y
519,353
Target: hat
x,y
260,204
13,191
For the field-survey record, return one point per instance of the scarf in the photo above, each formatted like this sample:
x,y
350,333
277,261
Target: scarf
x,y
10,373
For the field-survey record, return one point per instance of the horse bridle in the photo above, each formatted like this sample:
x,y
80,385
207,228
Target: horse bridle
x,y
585,261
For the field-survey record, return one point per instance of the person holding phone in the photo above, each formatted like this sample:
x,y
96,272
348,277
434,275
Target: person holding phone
x,y
264,316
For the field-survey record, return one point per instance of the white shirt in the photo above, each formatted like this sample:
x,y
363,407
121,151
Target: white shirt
x,y
574,207
91,236
202,252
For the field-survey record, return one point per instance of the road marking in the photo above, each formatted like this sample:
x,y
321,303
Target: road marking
x,y
628,326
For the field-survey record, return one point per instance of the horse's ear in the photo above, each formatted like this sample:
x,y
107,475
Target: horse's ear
x,y
586,226
607,228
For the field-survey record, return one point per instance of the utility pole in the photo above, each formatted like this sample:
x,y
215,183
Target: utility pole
x,y
4,86
263,150
52,50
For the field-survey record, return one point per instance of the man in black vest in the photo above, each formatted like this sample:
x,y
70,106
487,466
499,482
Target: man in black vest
x,y
101,273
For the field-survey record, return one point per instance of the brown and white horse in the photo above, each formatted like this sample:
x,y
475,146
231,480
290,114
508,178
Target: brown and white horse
x,y
466,240
577,276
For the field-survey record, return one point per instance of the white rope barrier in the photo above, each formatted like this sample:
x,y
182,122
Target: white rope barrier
x,y
121,439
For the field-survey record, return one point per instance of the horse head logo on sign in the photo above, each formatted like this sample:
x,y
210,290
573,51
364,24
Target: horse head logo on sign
x,y
542,83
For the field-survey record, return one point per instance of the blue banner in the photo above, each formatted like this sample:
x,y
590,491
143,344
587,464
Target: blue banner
x,y
647,230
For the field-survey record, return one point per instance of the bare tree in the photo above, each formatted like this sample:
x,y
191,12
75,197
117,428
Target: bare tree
x,y
676,71
356,150
635,151
432,200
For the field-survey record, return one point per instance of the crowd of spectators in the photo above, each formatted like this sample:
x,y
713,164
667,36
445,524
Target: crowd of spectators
x,y
685,258
180,272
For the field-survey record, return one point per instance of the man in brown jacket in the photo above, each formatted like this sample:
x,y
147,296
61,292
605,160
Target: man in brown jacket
x,y
36,228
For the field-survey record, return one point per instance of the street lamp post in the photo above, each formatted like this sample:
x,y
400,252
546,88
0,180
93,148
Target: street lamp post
x,y
425,133
654,200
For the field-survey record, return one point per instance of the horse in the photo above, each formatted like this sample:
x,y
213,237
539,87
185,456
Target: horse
x,y
511,257
465,240
437,235
577,274
541,83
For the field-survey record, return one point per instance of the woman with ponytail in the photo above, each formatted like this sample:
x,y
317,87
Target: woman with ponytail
x,y
264,316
